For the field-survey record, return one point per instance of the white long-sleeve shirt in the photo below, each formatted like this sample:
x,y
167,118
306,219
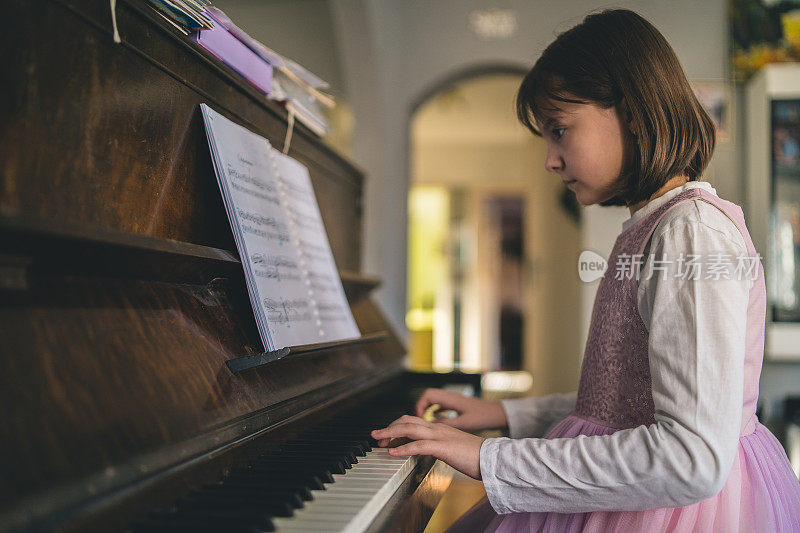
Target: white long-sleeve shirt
x,y
696,352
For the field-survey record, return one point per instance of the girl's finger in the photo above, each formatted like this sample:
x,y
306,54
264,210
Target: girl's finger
x,y
423,402
417,447
383,442
408,419
391,443
392,432
430,397
452,422
411,431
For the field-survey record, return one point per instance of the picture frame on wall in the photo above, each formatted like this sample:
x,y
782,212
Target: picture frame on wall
x,y
786,138
716,97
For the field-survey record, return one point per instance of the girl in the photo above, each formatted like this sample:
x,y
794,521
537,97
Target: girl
x,y
662,433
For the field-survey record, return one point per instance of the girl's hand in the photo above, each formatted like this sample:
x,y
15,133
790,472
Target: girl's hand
x,y
473,414
460,450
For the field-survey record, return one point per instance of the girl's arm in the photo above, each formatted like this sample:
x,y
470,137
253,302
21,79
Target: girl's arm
x,y
525,417
696,352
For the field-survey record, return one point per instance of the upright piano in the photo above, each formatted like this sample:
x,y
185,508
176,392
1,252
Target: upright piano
x,y
134,396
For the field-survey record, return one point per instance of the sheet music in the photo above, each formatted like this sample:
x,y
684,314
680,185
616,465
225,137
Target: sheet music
x,y
292,279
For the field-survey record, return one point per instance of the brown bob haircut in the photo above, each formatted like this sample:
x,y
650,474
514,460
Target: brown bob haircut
x,y
616,55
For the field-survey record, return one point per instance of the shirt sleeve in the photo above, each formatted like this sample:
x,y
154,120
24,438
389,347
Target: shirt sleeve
x,y
696,353
532,417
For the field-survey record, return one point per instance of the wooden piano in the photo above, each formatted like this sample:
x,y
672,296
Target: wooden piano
x,y
122,299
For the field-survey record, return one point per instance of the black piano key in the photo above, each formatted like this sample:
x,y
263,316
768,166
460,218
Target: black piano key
x,y
344,452
360,445
320,449
297,460
235,511
358,448
360,438
302,458
289,491
335,442
253,497
288,483
305,494
264,468
232,518
311,481
308,454
336,465
293,496
291,462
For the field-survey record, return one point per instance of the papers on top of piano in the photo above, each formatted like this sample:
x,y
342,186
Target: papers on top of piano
x,y
300,91
292,280
185,15
280,78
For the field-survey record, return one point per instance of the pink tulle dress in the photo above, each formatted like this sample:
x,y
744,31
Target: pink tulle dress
x,y
762,492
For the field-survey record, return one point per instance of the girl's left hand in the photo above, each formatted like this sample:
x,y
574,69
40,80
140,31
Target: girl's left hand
x,y
457,448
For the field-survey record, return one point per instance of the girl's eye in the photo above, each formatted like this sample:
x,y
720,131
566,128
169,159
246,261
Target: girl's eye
x,y
557,132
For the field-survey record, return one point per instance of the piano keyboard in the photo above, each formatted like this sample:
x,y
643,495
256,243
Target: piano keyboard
x,y
327,479
353,501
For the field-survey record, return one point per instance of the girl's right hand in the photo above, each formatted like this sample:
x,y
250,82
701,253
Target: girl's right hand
x,y
473,414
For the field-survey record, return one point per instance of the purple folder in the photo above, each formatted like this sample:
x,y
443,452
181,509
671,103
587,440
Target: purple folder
x,y
233,53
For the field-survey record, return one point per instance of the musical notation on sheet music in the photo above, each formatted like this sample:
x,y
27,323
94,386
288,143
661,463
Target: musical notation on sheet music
x,y
292,278
288,312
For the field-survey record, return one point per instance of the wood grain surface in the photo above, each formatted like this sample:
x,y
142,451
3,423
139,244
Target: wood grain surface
x,y
121,294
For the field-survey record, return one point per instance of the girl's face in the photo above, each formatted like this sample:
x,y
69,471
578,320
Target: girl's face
x,y
586,147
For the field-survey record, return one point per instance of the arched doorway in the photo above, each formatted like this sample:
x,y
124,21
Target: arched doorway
x,y
491,246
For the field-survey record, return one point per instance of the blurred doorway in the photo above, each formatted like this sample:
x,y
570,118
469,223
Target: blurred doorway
x,y
506,216
492,252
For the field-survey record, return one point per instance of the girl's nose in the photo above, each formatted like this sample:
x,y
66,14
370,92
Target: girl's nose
x,y
553,161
